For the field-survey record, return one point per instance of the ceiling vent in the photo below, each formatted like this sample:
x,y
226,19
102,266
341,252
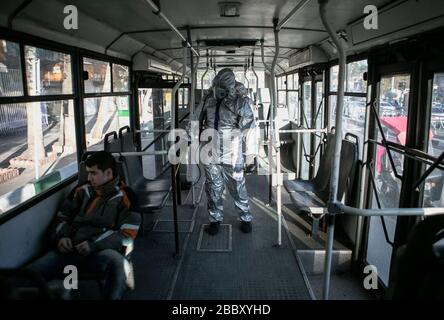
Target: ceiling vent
x,y
143,62
229,9
230,42
311,55
230,65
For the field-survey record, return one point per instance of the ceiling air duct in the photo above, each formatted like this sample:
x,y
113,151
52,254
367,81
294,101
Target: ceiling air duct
x,y
309,56
143,62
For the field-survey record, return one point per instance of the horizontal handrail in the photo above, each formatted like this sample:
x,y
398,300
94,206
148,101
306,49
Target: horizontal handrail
x,y
303,130
138,154
152,131
163,134
338,207
411,153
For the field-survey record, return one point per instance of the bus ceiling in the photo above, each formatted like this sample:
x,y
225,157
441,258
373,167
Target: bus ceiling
x,y
230,31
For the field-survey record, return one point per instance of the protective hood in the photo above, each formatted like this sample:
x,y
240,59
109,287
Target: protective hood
x,y
225,80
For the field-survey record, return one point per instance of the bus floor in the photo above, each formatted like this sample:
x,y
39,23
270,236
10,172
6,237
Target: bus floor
x,y
230,265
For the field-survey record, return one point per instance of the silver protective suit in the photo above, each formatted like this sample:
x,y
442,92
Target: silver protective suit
x,y
228,117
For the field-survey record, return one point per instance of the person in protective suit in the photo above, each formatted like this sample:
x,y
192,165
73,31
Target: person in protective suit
x,y
226,110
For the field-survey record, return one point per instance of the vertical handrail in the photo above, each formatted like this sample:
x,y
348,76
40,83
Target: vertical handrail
x,y
246,79
174,127
276,137
270,146
176,227
192,111
257,78
338,139
273,133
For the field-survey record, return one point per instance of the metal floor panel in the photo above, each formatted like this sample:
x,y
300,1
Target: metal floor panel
x,y
185,226
254,269
221,242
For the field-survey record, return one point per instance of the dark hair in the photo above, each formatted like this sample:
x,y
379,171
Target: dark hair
x,y
103,160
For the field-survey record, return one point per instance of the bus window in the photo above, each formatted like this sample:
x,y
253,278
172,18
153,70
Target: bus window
x,y
293,96
293,105
320,118
355,98
99,76
103,115
433,189
393,109
38,148
334,72
38,136
306,120
120,78
11,84
47,72
355,77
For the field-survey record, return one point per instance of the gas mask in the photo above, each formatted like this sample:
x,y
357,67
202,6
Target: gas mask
x,y
219,93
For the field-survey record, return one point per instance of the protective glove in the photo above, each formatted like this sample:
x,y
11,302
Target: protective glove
x,y
250,165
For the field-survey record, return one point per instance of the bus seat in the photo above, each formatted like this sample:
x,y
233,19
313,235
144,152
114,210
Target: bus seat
x,y
114,144
321,181
313,201
135,171
152,195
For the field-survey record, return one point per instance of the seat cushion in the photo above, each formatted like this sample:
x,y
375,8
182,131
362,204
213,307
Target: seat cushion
x,y
308,201
146,185
298,185
150,201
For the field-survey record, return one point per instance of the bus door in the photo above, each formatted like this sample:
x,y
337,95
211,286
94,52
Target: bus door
x,y
386,165
312,117
154,117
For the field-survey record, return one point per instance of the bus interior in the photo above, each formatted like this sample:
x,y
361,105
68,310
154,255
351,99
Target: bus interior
x,y
348,98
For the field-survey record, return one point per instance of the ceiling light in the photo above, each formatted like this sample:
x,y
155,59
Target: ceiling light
x,y
229,9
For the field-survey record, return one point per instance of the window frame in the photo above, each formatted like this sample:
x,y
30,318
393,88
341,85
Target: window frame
x,y
24,39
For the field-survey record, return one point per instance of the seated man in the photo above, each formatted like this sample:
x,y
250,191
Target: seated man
x,y
91,229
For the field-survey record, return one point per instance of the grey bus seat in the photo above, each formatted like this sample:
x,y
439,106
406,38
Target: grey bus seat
x,y
314,201
113,145
320,181
135,171
152,201
152,195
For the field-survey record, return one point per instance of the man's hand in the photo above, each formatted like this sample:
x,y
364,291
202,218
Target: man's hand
x,y
64,245
250,165
83,248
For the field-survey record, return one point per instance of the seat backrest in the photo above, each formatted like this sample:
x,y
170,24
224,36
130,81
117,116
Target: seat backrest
x,y
347,168
133,164
114,146
322,178
417,271
111,142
